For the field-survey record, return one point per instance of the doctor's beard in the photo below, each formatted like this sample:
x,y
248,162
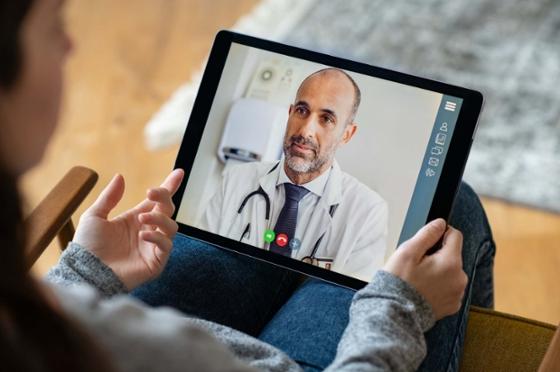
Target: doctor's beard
x,y
300,164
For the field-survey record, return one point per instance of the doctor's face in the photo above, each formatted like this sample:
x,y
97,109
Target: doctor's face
x,y
319,122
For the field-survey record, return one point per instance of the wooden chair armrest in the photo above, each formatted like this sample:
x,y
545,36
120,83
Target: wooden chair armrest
x,y
53,215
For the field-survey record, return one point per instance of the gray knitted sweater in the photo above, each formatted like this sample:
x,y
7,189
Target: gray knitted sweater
x,y
388,319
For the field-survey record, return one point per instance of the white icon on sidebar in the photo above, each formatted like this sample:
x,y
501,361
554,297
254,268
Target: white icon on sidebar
x,y
437,150
443,127
434,162
440,139
450,106
430,172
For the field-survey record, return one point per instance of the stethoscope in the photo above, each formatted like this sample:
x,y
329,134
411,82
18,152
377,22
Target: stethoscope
x,y
307,259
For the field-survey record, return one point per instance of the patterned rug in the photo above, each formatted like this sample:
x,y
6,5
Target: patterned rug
x,y
506,49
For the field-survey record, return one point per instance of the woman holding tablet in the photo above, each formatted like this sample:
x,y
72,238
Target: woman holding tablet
x,y
84,321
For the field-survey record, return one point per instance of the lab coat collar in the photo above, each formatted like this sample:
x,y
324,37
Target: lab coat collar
x,y
269,179
332,193
333,188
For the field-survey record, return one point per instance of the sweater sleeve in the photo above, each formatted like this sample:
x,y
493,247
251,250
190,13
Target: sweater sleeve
x,y
79,266
388,319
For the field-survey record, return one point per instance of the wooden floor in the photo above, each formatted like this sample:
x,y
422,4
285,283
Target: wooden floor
x,y
132,54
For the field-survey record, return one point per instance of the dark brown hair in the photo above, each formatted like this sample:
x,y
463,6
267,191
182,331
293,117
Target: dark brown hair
x,y
33,335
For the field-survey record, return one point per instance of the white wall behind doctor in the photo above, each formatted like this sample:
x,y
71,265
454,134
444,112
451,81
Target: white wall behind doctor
x,y
394,126
205,175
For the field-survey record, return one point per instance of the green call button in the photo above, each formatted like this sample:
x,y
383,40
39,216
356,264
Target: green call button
x,y
269,236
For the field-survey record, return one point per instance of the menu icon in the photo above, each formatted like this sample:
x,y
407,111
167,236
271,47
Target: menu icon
x,y
450,106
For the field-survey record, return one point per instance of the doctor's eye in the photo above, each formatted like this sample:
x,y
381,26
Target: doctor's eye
x,y
327,119
301,111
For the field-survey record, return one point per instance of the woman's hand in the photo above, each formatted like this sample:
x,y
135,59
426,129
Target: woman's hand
x,y
137,243
438,277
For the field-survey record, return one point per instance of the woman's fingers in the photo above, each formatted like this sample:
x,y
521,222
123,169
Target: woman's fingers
x,y
161,221
109,198
173,180
162,199
159,198
160,240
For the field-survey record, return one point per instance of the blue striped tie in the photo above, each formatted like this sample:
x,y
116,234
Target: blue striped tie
x,y
287,219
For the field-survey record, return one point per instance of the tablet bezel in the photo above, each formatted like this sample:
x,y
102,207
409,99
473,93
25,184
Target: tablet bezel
x,y
447,186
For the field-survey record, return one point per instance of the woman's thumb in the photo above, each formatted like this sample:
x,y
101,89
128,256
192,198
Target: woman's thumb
x,y
427,237
109,198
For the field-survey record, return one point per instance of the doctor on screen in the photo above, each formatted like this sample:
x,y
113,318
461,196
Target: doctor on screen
x,y
305,206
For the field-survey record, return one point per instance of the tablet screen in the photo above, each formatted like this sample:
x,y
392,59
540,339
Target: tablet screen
x,y
322,165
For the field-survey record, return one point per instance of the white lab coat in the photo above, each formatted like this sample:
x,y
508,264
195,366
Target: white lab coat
x,y
354,239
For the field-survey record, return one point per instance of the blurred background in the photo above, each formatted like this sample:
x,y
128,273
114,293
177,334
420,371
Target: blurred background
x,y
134,57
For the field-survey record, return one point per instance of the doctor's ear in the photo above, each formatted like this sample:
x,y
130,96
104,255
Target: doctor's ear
x,y
349,131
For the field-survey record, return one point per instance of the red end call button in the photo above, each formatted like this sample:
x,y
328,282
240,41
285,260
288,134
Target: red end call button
x,y
281,240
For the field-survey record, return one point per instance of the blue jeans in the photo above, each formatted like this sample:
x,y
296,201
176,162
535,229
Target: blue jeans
x,y
302,316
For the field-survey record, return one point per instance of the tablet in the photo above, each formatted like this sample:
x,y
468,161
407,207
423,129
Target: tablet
x,y
317,163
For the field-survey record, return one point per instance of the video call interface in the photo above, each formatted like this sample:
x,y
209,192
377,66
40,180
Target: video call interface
x,y
322,165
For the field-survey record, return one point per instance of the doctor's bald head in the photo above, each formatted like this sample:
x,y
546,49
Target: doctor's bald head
x,y
321,119
337,75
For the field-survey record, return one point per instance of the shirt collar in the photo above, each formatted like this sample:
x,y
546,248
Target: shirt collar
x,y
316,186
